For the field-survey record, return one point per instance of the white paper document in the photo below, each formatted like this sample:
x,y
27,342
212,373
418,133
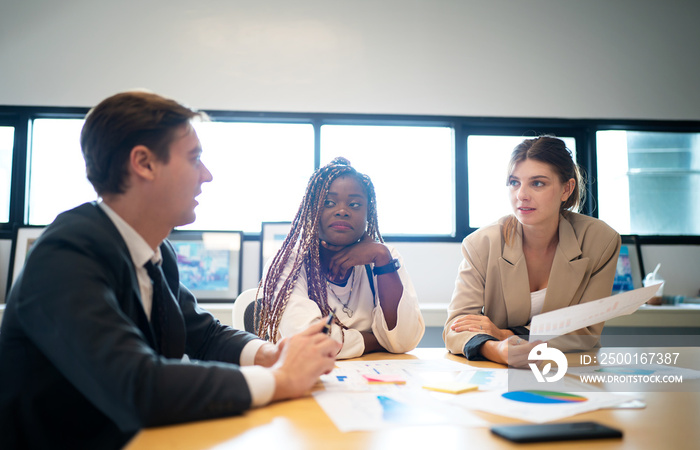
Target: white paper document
x,y
354,404
365,411
565,320
497,403
349,376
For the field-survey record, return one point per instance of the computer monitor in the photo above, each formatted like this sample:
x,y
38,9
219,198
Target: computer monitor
x,y
209,263
272,236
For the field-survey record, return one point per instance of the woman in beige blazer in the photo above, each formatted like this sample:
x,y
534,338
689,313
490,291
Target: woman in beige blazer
x,y
542,257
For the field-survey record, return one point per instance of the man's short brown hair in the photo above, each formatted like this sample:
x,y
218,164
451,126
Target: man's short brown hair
x,y
121,122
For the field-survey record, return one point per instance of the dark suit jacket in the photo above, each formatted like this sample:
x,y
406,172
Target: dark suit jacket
x,y
78,363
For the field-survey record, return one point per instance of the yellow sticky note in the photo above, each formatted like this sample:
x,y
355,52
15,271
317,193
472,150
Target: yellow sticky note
x,y
451,387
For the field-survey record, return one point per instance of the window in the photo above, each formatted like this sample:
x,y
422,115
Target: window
x,y
7,140
260,173
649,182
429,186
412,170
56,170
487,163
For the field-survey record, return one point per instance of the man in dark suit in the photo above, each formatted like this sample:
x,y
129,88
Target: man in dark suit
x,y
96,325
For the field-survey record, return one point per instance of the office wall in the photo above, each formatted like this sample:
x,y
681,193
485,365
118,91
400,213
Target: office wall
x,y
433,267
629,59
532,58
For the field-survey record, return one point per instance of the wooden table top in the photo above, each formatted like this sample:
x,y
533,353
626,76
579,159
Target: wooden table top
x,y
669,420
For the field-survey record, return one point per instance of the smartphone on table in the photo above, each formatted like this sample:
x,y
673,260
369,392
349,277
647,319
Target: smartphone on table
x,y
567,431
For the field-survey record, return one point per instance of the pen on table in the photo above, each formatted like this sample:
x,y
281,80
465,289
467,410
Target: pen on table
x,y
327,326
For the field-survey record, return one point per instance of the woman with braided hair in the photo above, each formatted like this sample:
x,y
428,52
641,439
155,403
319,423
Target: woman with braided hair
x,y
334,259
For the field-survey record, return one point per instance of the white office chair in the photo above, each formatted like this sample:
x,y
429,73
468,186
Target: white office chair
x,y
243,310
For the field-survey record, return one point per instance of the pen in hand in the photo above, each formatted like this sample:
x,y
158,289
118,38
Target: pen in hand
x,y
327,327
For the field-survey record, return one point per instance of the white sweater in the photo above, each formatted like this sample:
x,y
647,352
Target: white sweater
x,y
367,314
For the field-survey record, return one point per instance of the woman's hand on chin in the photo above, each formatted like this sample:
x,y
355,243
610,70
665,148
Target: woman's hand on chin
x,y
365,251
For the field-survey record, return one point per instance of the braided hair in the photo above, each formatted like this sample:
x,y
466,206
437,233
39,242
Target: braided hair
x,y
303,242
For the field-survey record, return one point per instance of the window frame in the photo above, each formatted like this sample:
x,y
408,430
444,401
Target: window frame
x,y
12,120
16,118
651,126
527,128
394,121
583,130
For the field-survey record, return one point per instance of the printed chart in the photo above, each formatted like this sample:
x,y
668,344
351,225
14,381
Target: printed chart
x,y
358,396
543,397
565,320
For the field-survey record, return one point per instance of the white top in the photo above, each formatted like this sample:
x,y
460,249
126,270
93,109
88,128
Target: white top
x,y
367,314
261,381
537,302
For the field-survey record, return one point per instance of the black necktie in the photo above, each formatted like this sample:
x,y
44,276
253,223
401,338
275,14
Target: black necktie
x,y
166,318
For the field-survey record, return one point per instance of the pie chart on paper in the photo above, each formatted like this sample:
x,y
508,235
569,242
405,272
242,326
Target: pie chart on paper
x,y
543,397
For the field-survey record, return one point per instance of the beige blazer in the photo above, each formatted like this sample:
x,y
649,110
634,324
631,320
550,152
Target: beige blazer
x,y
494,277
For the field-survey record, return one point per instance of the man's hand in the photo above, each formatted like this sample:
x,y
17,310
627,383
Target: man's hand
x,y
304,357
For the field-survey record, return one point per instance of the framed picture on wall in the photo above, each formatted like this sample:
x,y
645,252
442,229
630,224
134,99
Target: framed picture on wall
x,y
630,270
21,245
272,236
209,263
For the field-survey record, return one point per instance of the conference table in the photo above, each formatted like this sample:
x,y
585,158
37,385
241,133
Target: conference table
x,y
669,420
